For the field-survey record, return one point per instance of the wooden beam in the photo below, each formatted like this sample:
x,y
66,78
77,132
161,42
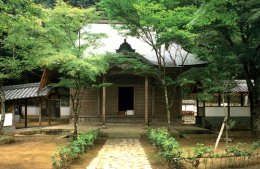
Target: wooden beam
x,y
25,114
40,113
146,101
103,104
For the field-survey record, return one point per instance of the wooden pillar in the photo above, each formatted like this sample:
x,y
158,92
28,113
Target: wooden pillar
x,y
241,100
204,109
153,100
146,118
98,102
14,115
197,105
25,113
49,109
219,99
40,113
104,103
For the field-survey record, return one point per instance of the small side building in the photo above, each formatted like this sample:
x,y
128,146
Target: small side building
x,y
211,113
28,103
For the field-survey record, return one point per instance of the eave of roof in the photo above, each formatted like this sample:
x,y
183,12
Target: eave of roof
x,y
25,91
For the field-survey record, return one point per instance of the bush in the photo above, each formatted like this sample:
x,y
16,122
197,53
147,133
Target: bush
x,y
168,146
238,155
75,149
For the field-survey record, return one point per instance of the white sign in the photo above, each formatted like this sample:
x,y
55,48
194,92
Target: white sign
x,y
8,119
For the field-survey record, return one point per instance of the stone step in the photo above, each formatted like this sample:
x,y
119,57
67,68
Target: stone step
x,y
121,135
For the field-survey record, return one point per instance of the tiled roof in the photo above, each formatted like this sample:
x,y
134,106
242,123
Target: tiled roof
x,y
25,91
241,86
114,38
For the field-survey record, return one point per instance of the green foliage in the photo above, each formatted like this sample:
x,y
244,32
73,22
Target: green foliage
x,y
231,124
202,151
168,146
164,20
256,145
131,62
238,155
239,150
74,150
75,3
227,37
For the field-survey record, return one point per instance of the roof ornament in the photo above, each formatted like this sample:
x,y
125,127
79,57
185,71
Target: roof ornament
x,y
125,47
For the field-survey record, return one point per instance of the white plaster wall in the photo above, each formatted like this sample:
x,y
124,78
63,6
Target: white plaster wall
x,y
239,111
8,119
214,112
31,110
64,111
189,108
234,111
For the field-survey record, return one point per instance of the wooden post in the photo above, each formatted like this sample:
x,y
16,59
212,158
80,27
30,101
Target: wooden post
x,y
146,121
153,100
98,102
40,113
14,115
104,103
25,114
49,109
241,100
219,99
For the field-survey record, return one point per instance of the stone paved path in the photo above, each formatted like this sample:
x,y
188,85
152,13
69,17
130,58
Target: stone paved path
x,y
121,153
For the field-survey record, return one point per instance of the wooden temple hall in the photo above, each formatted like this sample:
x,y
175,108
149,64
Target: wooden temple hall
x,y
130,98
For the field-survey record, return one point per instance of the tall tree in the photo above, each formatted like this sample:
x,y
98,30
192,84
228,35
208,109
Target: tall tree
x,y
75,3
66,41
231,29
160,24
15,15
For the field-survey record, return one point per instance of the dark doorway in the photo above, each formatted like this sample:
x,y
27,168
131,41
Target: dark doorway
x,y
125,98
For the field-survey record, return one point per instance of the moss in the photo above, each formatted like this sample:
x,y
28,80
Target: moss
x,y
6,140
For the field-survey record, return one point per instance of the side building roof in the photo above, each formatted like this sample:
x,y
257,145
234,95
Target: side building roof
x,y
24,91
241,86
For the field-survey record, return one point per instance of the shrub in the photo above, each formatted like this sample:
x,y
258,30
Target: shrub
x,y
168,146
236,155
75,149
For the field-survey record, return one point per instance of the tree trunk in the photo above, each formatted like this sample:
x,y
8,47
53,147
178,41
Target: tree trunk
x,y
75,133
167,105
256,108
224,124
2,99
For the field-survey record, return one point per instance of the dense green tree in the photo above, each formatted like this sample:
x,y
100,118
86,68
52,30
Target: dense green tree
x,y
160,24
75,3
228,35
66,41
15,16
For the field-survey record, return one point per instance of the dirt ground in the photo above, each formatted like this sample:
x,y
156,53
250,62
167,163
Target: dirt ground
x,y
29,152
34,152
